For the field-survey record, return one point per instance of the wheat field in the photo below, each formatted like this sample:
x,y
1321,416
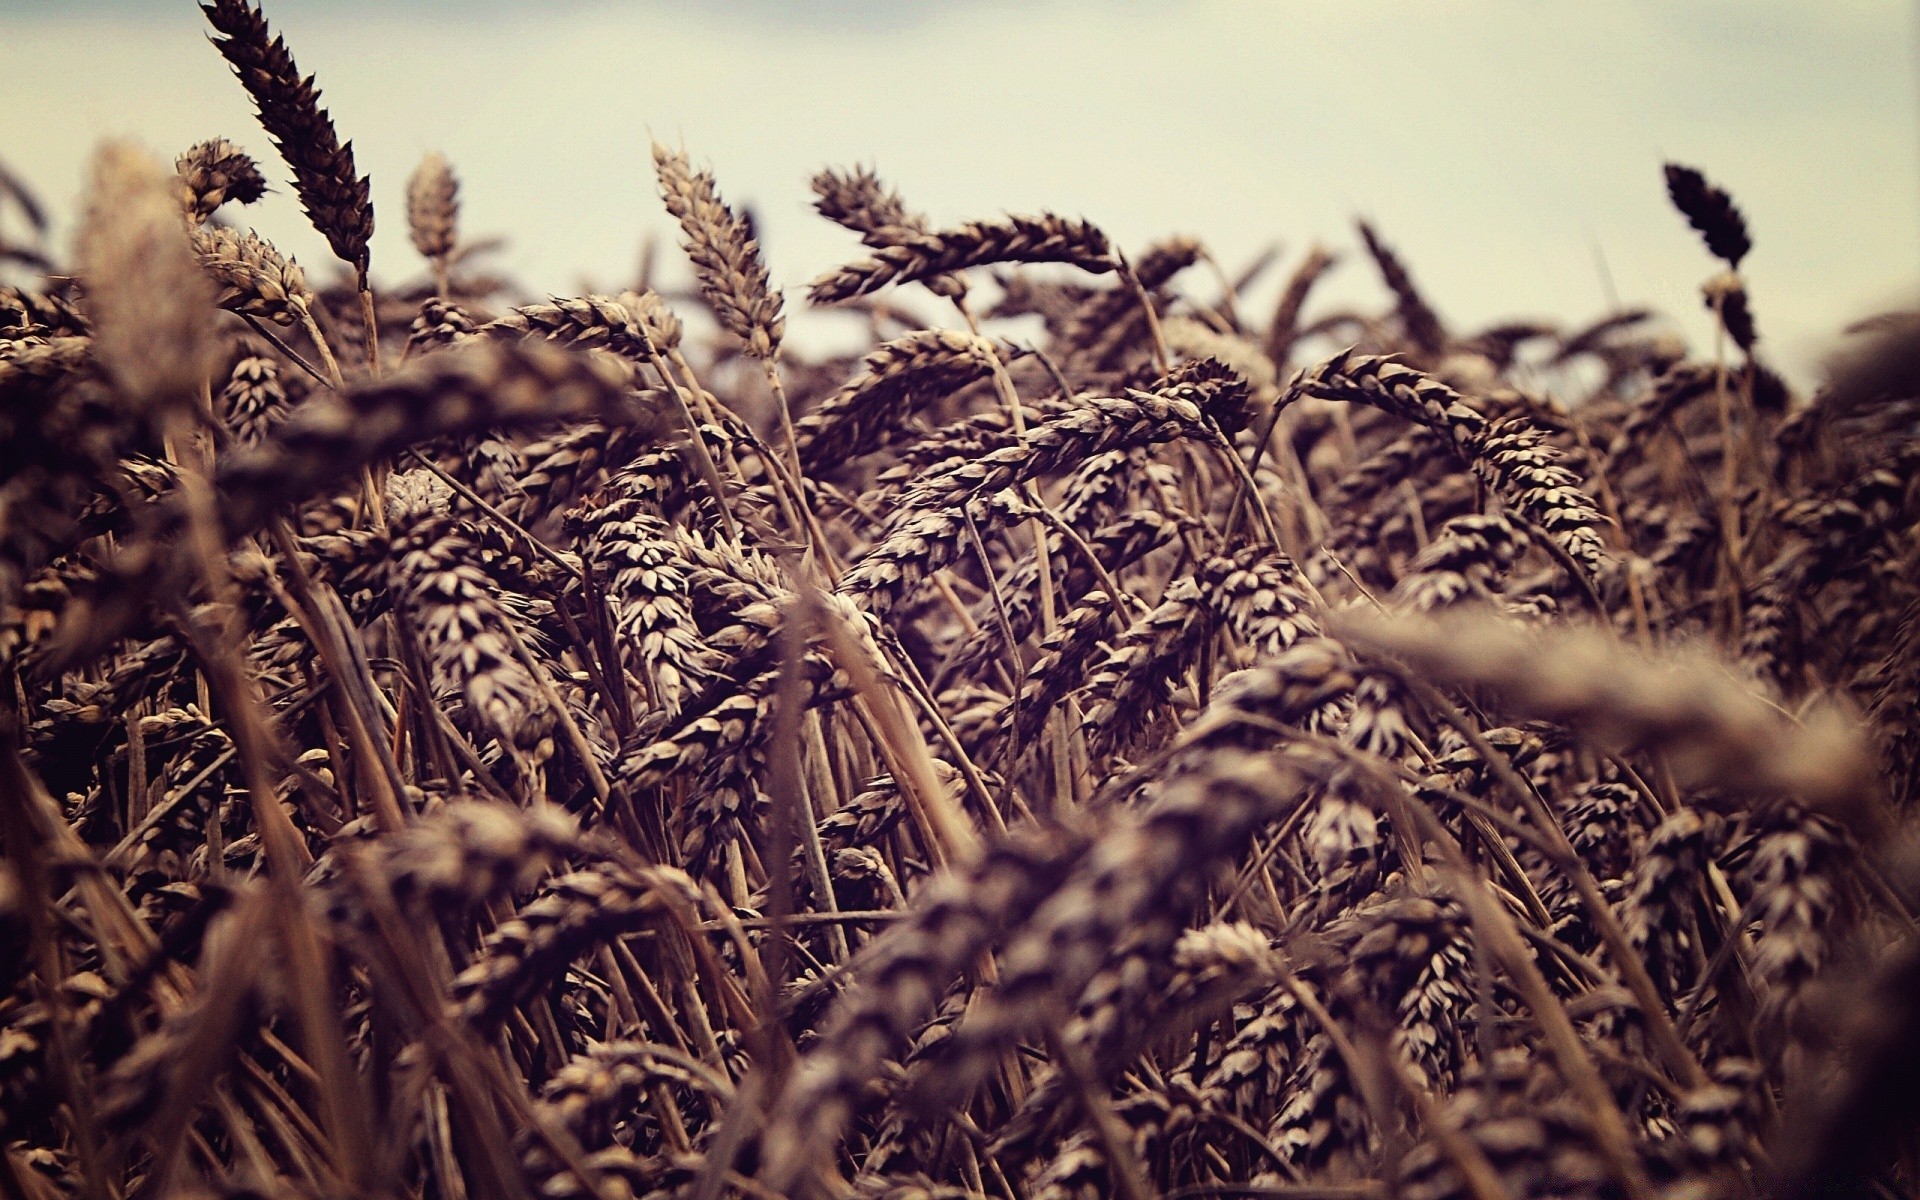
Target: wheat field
x,y
1096,741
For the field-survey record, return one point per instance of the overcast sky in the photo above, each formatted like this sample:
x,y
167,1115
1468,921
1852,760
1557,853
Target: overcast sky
x,y
1506,147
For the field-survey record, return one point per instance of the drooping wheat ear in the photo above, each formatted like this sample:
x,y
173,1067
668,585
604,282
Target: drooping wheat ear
x,y
1057,670
492,466
897,379
1513,1113
1718,1124
1405,459
1261,597
1052,301
1127,687
1148,1119
1894,704
215,172
1682,539
1196,396
1108,322
352,560
335,198
1284,329
1045,238
969,437
253,276
1096,489
253,400
1301,686
873,812
1692,706
572,914
725,257
26,313
151,308
619,1171
1417,318
1726,297
1658,890
1191,337
599,1088
1136,998
451,607
433,209
1827,535
455,858
857,200
1342,832
599,322
1464,563
475,387
733,725
1359,494
38,365
1798,872
656,317
1673,391
1137,881
925,534
646,586
1711,212
1250,1074
899,978
561,467
1510,455
1412,956
730,588
440,323
1116,546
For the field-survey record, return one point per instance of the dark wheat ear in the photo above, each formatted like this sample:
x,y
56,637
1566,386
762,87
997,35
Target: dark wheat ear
x,y
859,201
1284,329
1417,318
1710,211
215,172
1510,455
336,199
1726,297
915,256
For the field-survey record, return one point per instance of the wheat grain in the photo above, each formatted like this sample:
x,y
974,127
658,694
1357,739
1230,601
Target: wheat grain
x,y
214,172
289,108
725,256
1045,238
896,380
253,276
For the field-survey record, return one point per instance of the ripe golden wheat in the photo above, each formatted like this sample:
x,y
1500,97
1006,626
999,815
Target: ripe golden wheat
x,y
1090,742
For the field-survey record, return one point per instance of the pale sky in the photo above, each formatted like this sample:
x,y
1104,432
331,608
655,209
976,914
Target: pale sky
x,y
1498,144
